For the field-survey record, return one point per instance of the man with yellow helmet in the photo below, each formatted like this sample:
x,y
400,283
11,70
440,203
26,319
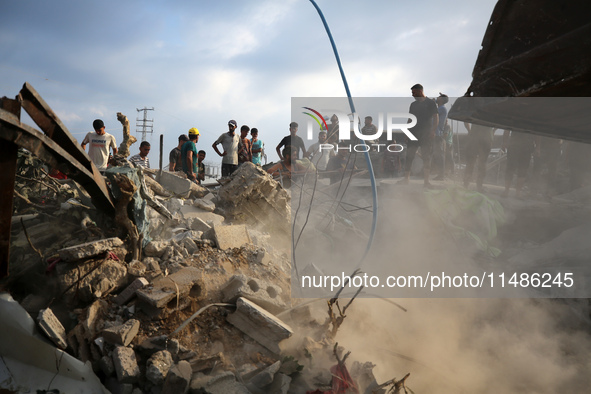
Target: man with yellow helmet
x,y
189,154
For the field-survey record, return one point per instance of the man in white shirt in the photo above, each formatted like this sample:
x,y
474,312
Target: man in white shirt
x,y
100,142
320,157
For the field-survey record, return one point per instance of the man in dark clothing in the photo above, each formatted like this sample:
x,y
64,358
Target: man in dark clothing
x,y
292,140
175,155
426,113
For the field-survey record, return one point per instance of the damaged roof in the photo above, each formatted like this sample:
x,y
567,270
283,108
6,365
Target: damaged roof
x,y
533,49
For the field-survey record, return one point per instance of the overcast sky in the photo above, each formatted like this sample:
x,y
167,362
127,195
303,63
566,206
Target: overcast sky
x,y
202,63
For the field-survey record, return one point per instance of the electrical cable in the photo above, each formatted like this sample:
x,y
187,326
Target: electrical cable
x,y
366,154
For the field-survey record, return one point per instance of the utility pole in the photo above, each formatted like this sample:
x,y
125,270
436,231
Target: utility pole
x,y
147,124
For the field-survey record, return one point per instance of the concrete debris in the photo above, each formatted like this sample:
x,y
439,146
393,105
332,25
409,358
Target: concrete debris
x,y
89,249
180,186
122,334
190,212
130,290
149,346
258,291
180,284
158,365
206,205
178,379
126,365
264,378
252,196
91,279
52,327
227,237
259,324
222,383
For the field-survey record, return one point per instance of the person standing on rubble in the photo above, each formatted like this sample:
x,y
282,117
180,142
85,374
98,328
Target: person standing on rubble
x,y
175,155
100,141
292,140
229,142
439,142
425,110
141,159
480,139
200,166
244,146
189,155
257,147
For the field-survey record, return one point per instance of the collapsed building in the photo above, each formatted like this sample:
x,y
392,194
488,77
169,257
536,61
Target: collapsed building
x,y
143,281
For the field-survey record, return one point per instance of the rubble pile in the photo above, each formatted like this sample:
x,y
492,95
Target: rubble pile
x,y
183,290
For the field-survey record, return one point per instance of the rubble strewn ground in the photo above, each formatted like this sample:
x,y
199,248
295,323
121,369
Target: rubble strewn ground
x,y
181,297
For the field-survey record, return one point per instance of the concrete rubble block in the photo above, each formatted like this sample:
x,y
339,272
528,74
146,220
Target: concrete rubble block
x,y
89,249
52,327
130,290
178,379
122,334
259,324
206,205
136,269
125,365
91,280
264,378
93,318
106,365
175,183
254,197
158,365
222,383
233,236
191,212
198,224
183,283
256,290
155,249
280,385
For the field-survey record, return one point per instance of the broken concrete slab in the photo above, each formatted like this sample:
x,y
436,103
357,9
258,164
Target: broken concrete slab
x,y
178,379
190,212
175,183
89,249
281,384
253,197
125,364
206,205
265,377
155,249
91,279
122,334
130,290
259,324
256,290
185,282
158,365
233,236
52,327
222,383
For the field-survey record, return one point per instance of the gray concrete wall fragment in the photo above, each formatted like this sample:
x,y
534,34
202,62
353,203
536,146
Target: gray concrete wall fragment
x,y
122,334
125,365
52,327
89,249
259,324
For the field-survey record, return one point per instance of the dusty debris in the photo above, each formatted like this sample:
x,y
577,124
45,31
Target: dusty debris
x,y
89,249
259,324
52,327
253,197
